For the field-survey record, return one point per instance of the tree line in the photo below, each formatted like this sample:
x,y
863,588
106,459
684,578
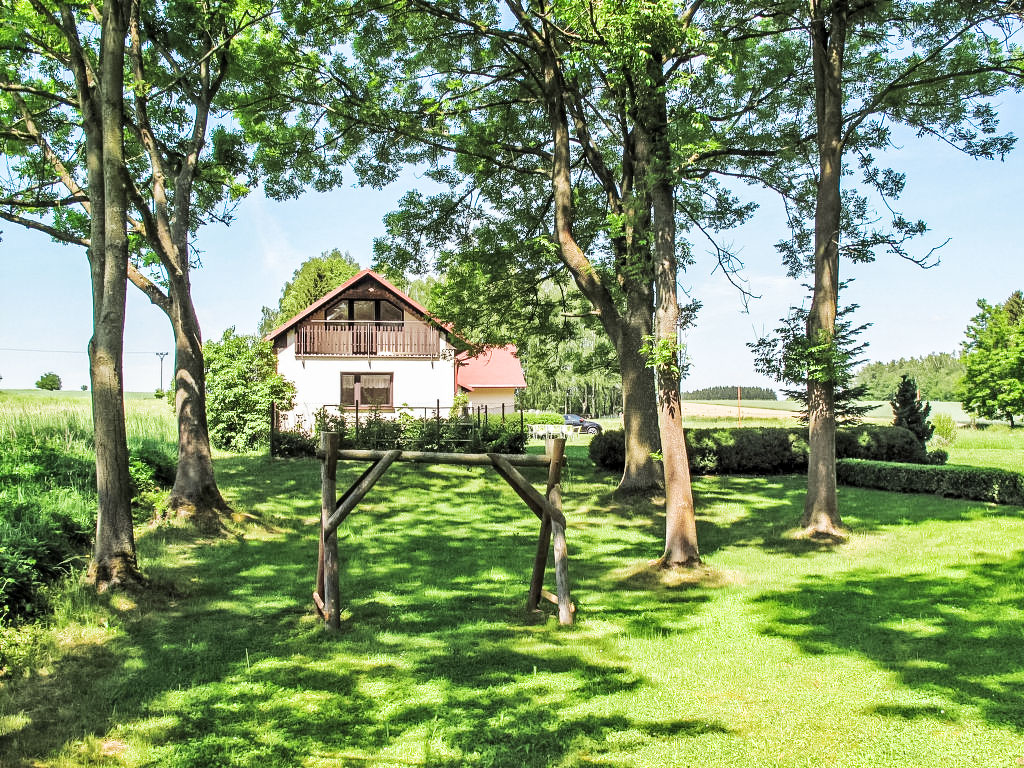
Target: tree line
x,y
730,393
938,376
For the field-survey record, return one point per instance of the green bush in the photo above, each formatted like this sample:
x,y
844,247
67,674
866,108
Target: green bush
x,y
880,444
241,384
540,418
608,450
975,483
945,429
458,434
769,450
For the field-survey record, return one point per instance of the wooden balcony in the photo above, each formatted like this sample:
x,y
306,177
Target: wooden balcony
x,y
355,338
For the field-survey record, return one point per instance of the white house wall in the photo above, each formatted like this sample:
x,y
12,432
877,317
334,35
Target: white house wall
x,y
493,398
417,382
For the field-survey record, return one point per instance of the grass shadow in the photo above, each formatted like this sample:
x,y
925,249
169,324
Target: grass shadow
x,y
955,634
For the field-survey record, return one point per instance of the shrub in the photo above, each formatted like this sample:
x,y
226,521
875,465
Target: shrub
x,y
908,410
50,381
608,450
768,450
880,444
945,429
541,418
978,484
241,384
294,443
468,434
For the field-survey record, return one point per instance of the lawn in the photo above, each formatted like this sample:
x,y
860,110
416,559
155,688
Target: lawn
x,y
903,646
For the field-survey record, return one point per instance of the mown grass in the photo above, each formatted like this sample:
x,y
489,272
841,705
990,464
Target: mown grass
x,y
902,646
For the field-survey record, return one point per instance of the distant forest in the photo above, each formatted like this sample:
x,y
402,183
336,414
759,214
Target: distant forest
x,y
729,393
937,376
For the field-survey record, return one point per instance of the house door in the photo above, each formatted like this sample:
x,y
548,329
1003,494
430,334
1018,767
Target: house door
x,y
364,328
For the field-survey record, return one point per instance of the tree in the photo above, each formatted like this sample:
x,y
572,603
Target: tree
x,y
857,85
242,383
50,381
531,115
993,357
909,411
937,375
184,63
788,356
314,279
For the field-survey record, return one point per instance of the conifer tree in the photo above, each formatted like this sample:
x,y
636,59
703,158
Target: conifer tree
x,y
910,411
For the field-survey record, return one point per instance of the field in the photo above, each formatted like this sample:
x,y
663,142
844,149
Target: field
x,y
902,646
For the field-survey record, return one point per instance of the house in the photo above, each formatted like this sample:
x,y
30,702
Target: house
x,y
368,345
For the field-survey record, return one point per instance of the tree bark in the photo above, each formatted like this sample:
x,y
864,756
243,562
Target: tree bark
x,y
626,332
828,37
195,494
680,521
639,405
114,556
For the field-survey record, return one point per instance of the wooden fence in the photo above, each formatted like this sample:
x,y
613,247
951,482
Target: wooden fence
x,y
547,507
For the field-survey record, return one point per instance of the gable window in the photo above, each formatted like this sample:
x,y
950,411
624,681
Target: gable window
x,y
366,311
373,390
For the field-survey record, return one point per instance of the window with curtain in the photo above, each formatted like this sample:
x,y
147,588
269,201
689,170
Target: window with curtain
x,y
368,389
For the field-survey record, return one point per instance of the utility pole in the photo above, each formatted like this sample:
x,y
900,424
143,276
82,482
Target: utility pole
x,y
161,355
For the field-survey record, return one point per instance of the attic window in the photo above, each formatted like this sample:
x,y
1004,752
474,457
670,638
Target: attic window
x,y
365,310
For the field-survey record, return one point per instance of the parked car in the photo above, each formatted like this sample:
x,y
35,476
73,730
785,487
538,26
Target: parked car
x,y
586,426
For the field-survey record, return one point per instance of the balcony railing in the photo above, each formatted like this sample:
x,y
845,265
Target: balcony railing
x,y
359,338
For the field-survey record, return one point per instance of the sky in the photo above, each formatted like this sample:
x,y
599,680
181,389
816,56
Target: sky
x,y
46,317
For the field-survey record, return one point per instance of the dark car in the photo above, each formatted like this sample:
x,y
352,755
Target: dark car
x,y
588,427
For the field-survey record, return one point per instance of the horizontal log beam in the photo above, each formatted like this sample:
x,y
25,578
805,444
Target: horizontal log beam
x,y
465,459
552,598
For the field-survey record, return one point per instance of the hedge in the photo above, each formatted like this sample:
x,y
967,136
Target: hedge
x,y
1000,486
377,432
770,450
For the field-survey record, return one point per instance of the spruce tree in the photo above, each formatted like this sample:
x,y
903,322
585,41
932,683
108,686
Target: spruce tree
x,y
909,411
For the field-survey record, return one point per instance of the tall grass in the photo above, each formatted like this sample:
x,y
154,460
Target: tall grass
x,y
48,487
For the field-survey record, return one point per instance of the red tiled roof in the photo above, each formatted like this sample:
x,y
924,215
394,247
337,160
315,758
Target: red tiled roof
x,y
493,367
366,273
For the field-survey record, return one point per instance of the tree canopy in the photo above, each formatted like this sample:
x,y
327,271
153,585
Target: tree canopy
x,y
993,358
315,278
937,375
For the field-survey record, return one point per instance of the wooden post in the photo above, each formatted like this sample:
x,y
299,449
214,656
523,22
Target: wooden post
x,y
540,561
556,450
357,422
328,489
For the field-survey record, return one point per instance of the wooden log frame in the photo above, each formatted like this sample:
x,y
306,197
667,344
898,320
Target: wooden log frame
x,y
548,508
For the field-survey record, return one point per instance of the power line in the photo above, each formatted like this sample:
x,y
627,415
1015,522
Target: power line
x,y
62,351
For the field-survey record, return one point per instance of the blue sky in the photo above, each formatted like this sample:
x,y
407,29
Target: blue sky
x,y
45,313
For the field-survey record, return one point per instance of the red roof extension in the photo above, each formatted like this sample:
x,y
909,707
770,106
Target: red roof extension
x,y
494,367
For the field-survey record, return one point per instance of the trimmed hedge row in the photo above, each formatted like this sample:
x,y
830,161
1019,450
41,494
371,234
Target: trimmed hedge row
x,y
976,483
771,450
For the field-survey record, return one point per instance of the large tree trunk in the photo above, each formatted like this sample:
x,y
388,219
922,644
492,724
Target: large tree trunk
x,y
639,406
626,332
821,506
195,494
680,520
114,558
